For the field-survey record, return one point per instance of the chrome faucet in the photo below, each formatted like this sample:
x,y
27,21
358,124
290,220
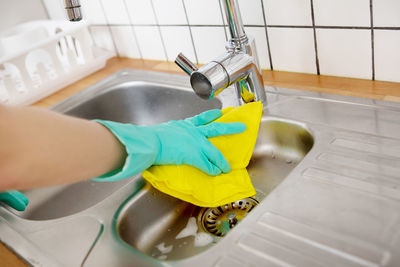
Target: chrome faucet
x,y
238,65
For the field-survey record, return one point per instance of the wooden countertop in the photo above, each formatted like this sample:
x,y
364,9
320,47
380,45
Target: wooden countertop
x,y
9,259
325,84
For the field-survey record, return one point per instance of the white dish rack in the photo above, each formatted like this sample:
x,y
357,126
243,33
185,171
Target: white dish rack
x,y
40,57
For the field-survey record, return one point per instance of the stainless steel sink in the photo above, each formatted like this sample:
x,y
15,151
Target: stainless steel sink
x,y
325,168
139,103
151,219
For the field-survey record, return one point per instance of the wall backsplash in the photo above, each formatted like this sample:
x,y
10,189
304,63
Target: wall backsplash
x,y
357,38
11,12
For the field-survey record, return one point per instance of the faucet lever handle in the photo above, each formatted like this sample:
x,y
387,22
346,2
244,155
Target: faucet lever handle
x,y
185,64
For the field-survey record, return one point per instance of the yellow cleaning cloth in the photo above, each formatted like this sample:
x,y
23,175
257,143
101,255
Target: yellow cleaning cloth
x,y
192,185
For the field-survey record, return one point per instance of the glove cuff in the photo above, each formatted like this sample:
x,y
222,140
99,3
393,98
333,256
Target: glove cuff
x,y
141,147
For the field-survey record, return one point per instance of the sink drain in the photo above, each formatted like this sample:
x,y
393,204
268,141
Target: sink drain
x,y
218,221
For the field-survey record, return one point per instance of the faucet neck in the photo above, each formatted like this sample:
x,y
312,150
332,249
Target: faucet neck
x,y
239,65
234,21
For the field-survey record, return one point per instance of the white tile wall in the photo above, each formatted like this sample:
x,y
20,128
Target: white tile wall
x,y
387,55
55,8
115,11
169,12
386,13
342,12
92,12
177,39
209,42
336,41
345,52
292,49
141,11
252,13
125,41
204,12
288,12
102,37
150,42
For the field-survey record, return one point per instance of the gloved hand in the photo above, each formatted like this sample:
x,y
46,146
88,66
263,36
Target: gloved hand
x,y
172,143
14,199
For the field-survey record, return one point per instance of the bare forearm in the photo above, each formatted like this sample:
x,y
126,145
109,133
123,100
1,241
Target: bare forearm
x,y
40,148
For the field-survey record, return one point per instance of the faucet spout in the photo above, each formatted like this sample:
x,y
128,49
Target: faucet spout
x,y
238,65
185,64
238,68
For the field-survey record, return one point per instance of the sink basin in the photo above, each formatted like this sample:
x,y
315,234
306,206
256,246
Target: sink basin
x,y
140,103
280,146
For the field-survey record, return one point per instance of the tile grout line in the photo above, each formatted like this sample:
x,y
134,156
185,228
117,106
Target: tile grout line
x,y
315,38
266,35
223,20
190,32
109,27
386,28
371,14
258,26
159,30
133,30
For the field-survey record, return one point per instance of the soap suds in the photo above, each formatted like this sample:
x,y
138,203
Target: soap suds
x,y
189,230
202,239
163,249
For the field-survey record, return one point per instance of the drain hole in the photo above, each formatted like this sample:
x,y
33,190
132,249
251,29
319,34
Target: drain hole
x,y
218,221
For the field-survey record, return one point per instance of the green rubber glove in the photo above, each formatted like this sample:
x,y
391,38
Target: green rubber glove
x,y
14,199
172,143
